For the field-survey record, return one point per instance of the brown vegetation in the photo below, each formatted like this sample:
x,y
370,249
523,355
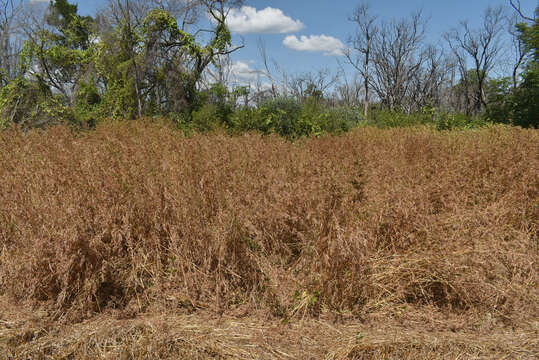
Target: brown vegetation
x,y
202,246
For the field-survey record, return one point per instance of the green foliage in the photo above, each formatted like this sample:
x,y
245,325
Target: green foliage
x,y
114,65
29,104
458,121
518,106
429,116
222,100
501,101
155,68
119,98
169,63
204,119
160,23
61,53
317,118
281,116
88,103
526,111
291,119
390,119
526,97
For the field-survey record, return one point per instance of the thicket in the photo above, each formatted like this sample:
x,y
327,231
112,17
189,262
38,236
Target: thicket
x,y
292,119
145,60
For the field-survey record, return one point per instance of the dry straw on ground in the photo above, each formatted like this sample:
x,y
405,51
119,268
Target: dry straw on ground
x,y
134,241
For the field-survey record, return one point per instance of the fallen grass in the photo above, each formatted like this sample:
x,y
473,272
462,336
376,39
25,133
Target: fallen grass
x,y
133,241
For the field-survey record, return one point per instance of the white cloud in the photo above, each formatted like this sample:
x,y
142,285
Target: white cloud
x,y
269,20
242,72
315,43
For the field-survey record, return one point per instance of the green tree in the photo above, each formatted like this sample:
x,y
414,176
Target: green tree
x,y
501,100
54,65
62,51
156,65
526,111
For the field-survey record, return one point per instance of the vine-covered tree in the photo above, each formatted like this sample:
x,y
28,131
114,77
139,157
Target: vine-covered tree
x,y
527,95
53,63
155,65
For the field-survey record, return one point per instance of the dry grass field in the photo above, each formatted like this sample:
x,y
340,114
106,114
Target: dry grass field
x,y
134,241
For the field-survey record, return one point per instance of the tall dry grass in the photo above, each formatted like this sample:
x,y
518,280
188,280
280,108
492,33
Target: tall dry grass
x,y
135,216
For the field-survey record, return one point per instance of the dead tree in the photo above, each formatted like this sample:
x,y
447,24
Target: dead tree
x,y
519,50
397,58
10,43
516,5
482,46
362,44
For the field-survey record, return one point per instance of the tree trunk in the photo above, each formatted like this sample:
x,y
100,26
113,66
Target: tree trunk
x,y
366,109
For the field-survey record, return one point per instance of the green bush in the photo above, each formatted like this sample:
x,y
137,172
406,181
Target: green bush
x,y
317,119
451,121
28,104
429,116
388,119
293,120
281,116
244,119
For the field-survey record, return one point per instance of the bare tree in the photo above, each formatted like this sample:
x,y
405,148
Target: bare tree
x,y
482,46
397,57
516,5
10,42
312,84
126,10
221,73
348,91
519,50
362,42
268,73
430,82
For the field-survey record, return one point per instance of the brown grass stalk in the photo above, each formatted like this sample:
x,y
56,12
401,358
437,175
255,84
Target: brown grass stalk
x,y
137,218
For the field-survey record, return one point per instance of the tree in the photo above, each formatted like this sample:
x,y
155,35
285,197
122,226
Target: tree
x,y
482,45
397,59
519,50
516,5
348,91
53,64
312,85
59,54
362,43
10,45
526,103
167,61
431,80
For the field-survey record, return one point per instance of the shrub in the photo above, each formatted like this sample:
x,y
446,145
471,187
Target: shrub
x,y
293,120
389,119
281,116
27,104
451,121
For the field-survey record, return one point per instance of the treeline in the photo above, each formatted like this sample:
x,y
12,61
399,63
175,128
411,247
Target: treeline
x,y
164,58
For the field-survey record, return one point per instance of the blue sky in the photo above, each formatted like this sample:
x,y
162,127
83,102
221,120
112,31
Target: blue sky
x,y
274,21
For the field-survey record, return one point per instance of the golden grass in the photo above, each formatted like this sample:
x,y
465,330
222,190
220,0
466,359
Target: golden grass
x,y
134,241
